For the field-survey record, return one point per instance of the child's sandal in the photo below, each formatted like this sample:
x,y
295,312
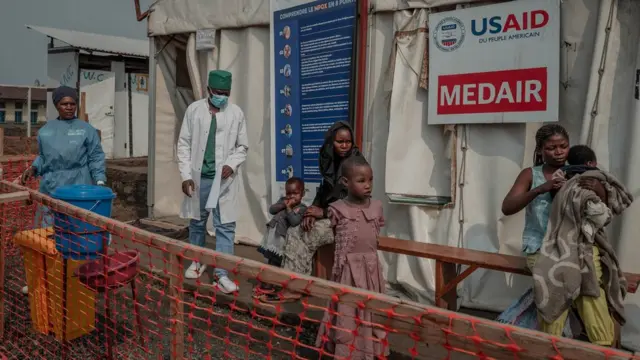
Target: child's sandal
x,y
277,298
258,292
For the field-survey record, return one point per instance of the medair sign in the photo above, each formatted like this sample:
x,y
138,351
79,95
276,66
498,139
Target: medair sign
x,y
495,64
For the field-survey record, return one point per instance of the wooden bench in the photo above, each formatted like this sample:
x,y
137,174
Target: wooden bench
x,y
448,257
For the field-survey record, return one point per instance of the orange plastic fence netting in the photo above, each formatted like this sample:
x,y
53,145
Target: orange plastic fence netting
x,y
133,302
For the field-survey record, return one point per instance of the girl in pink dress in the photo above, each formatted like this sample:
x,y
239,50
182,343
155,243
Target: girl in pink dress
x,y
346,331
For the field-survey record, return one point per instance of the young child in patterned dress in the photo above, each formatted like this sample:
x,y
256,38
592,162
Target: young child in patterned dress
x,y
356,220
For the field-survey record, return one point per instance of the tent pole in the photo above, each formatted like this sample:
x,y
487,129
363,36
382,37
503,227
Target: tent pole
x,y
361,68
151,155
28,111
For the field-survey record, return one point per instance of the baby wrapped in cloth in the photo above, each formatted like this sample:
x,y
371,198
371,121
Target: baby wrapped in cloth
x,y
566,270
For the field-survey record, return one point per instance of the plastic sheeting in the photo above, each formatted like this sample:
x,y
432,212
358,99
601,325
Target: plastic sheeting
x,y
169,113
396,5
630,335
139,114
488,157
98,89
188,16
413,142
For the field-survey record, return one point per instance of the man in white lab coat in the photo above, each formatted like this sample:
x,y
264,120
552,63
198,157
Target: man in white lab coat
x,y
212,145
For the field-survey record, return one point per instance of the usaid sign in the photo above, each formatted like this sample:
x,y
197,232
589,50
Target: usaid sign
x,y
495,64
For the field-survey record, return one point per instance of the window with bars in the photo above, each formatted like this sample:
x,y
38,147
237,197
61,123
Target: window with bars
x,y
34,116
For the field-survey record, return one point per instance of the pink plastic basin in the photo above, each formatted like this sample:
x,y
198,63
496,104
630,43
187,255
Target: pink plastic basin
x,y
121,268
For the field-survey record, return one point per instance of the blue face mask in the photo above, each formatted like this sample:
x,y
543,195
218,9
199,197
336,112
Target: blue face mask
x,y
218,101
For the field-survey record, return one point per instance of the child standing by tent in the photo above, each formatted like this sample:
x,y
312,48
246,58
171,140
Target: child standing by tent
x,y
348,332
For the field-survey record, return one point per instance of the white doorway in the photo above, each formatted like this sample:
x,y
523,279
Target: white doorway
x,y
139,114
97,100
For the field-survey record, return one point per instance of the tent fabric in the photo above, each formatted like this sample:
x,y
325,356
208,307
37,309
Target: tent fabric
x,y
487,157
397,5
169,114
630,334
187,16
414,142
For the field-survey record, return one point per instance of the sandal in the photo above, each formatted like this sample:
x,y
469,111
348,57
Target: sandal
x,y
277,298
259,291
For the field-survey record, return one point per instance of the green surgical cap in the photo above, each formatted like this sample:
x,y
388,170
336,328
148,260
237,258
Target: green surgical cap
x,y
219,80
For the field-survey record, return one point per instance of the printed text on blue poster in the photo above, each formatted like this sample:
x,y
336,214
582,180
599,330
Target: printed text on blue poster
x,y
313,71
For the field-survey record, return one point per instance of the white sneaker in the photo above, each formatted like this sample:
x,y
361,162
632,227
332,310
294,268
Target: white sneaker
x,y
25,290
226,285
195,270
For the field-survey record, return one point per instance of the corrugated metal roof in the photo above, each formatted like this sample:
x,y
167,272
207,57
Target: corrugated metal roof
x,y
97,42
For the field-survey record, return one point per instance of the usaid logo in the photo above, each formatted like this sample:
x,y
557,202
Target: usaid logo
x,y
449,34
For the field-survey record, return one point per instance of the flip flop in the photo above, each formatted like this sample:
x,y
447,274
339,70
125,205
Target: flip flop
x,y
279,299
258,292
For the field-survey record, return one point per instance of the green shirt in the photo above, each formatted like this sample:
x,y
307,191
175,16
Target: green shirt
x,y
209,163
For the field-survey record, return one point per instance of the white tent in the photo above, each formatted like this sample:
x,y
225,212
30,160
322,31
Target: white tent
x,y
598,107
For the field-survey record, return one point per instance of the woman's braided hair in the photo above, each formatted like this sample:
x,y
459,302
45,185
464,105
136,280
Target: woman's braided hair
x,y
542,135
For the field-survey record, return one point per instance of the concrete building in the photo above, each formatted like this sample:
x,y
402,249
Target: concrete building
x,y
110,73
13,104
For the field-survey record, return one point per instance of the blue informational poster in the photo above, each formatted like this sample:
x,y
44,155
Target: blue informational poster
x,y
313,67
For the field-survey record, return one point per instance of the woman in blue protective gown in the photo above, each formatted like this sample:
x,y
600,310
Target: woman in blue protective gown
x,y
69,152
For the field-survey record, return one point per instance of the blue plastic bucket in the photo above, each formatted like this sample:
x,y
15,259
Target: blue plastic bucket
x,y
76,239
